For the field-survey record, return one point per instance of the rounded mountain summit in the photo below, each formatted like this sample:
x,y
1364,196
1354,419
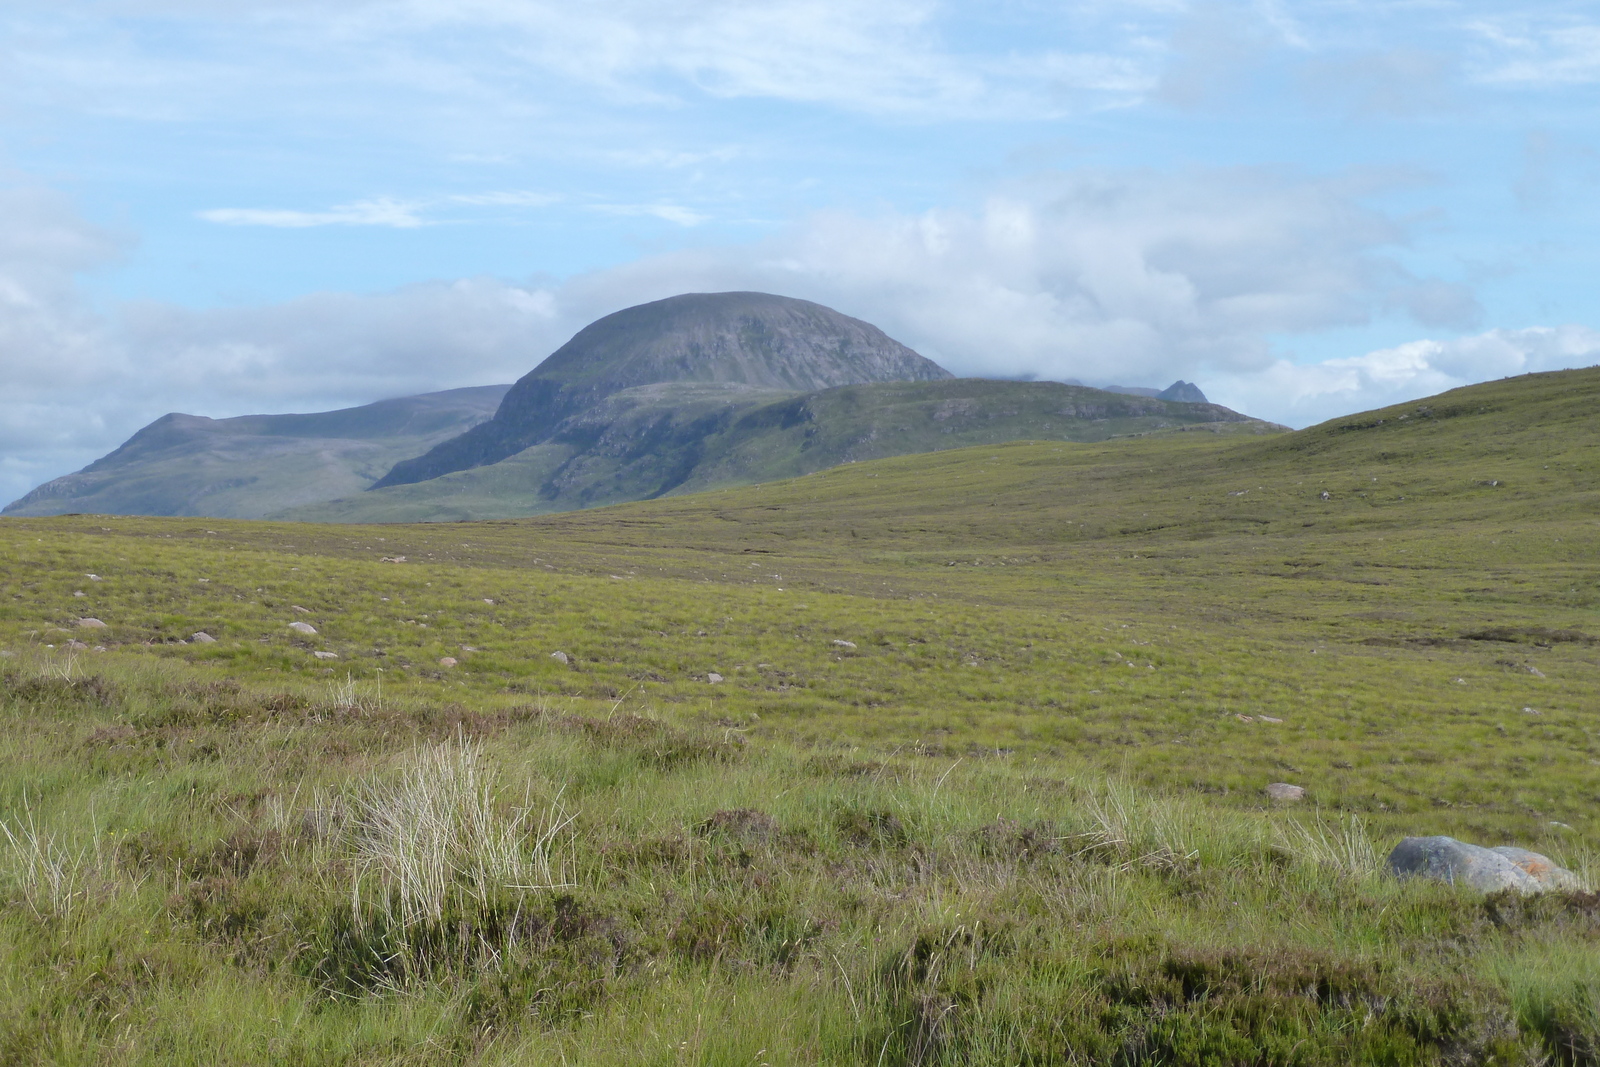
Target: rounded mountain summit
x,y
740,342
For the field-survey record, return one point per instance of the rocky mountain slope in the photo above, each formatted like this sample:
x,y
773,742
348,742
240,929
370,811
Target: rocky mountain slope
x,y
737,342
255,465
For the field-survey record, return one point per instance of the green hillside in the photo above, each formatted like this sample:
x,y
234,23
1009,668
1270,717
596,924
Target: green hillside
x,y
676,438
950,758
254,465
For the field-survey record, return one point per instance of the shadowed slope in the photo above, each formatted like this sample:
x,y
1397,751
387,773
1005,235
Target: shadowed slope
x,y
752,340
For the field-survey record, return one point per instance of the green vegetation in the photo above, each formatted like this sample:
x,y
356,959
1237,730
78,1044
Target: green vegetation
x,y
1016,818
686,437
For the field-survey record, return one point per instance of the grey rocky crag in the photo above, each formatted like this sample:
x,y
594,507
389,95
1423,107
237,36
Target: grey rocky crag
x,y
1487,870
738,341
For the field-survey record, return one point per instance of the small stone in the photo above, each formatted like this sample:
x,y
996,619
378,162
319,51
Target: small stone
x,y
560,657
326,655
713,677
1284,793
1532,711
92,577
447,661
91,624
203,638
1325,495
77,646
302,627
1536,672
1444,859
1245,718
844,644
99,648
486,600
298,608
77,592
1267,718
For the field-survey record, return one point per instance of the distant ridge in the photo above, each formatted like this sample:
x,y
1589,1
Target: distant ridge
x,y
741,342
253,465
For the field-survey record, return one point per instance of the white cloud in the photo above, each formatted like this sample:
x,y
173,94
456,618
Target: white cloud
x,y
673,213
1131,277
380,211
1304,394
1539,52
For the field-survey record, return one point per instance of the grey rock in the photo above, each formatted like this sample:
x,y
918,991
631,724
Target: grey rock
x,y
302,627
1444,859
91,624
844,644
447,661
1284,793
560,657
326,655
203,638
1541,868
298,610
713,677
77,646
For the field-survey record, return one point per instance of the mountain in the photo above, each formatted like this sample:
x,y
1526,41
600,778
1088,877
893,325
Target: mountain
x,y
668,440
740,343
254,465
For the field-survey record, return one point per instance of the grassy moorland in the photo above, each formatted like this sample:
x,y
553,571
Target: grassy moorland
x,y
1015,817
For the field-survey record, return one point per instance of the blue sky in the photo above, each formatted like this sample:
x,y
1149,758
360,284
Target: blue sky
x,y
270,205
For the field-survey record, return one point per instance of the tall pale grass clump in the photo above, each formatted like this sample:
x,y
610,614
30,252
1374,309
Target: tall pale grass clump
x,y
1144,830
434,828
1343,847
50,878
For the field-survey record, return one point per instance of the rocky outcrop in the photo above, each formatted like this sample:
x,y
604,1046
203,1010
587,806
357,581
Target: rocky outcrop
x,y
1487,870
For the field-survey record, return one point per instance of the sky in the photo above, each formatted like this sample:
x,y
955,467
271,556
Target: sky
x,y
1307,208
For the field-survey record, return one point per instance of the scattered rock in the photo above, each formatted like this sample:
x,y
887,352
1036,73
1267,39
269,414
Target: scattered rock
x,y
844,644
1532,711
302,627
91,624
560,657
391,559
1325,495
1535,671
1284,793
77,592
1487,870
1267,718
713,677
298,608
1245,718
99,648
92,577
77,646
447,661
486,600
203,638
326,655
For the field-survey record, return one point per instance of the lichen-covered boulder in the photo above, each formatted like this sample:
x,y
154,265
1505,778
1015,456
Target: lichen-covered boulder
x,y
1487,870
1541,868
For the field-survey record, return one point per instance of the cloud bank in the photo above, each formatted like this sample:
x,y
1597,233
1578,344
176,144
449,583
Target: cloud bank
x,y
1105,276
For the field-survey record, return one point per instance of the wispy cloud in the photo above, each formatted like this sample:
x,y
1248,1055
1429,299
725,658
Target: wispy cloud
x,y
1540,53
382,211
673,213
506,198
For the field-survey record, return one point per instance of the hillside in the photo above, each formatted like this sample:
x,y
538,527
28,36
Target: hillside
x,y
747,340
671,439
254,465
951,758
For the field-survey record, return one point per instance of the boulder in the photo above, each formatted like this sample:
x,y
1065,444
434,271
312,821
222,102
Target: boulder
x,y
326,655
713,677
447,661
203,638
1284,793
1540,868
1487,870
560,657
91,624
302,627
843,644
